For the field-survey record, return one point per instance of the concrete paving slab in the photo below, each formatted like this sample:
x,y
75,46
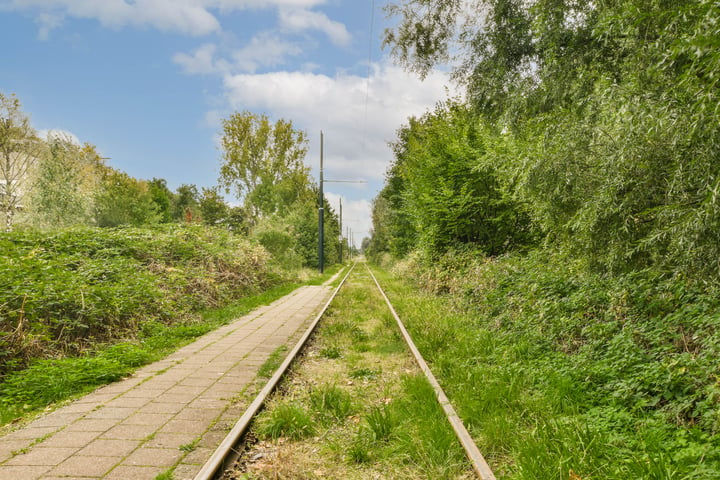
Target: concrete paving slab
x,y
125,472
85,466
135,428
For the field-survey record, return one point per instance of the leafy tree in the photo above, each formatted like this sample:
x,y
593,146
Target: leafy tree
x,y
292,236
163,198
450,191
263,162
607,112
213,208
124,200
65,179
20,150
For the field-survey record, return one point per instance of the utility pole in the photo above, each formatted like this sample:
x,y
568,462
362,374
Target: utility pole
x,y
321,209
321,214
341,239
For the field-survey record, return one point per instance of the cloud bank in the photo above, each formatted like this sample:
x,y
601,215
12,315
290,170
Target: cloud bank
x,y
188,17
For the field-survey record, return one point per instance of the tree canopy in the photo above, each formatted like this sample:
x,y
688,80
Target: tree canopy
x,y
263,162
601,117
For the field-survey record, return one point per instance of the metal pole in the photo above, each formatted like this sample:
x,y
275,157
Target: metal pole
x,y
321,216
341,239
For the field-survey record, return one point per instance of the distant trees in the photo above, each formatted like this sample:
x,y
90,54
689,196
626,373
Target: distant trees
x,y
65,183
54,183
262,163
124,200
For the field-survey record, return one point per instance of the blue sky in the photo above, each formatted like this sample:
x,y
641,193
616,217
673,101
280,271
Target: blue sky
x,y
148,82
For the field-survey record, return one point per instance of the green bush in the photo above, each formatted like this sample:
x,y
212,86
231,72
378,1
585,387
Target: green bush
x,y
65,291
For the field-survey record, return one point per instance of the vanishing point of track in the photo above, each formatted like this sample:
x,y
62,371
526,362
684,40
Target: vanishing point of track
x,y
227,452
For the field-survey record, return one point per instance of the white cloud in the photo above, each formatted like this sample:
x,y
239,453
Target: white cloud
x,y
358,117
48,22
357,215
59,134
184,16
191,17
264,50
356,130
201,61
300,20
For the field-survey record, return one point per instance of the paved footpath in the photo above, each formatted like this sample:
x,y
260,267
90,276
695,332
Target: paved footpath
x,y
172,413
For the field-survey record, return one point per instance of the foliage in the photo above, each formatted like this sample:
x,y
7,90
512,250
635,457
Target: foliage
x,y
558,369
444,191
603,115
185,203
163,198
62,194
124,200
65,291
263,162
292,236
20,150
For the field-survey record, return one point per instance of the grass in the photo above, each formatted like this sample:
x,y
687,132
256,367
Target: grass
x,y
331,403
563,374
274,360
285,420
331,352
367,409
166,475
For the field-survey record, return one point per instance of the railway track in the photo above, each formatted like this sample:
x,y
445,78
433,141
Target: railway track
x,y
229,450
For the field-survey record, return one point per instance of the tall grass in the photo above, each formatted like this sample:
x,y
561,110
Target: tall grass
x,y
565,374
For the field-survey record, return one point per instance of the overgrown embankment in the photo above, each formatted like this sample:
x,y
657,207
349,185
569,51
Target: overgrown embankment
x,y
65,292
567,374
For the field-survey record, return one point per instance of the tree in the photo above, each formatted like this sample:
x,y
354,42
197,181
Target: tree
x,y
450,193
163,198
124,200
64,184
263,162
605,112
19,153
213,208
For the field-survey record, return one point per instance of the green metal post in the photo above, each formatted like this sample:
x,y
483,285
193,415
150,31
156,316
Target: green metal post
x,y
321,214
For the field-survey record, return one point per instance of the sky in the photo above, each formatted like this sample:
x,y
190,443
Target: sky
x,y
148,82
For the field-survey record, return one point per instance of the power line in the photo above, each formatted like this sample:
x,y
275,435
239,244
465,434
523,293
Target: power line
x,y
369,71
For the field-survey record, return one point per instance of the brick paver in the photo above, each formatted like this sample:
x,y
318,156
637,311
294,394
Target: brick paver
x,y
171,414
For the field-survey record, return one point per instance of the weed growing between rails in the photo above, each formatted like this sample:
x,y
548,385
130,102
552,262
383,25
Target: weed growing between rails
x,y
562,375
355,407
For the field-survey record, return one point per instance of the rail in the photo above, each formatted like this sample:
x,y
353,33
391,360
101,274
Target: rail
x,y
227,447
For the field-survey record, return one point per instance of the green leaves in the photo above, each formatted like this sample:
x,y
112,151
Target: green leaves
x,y
446,189
263,162
63,292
